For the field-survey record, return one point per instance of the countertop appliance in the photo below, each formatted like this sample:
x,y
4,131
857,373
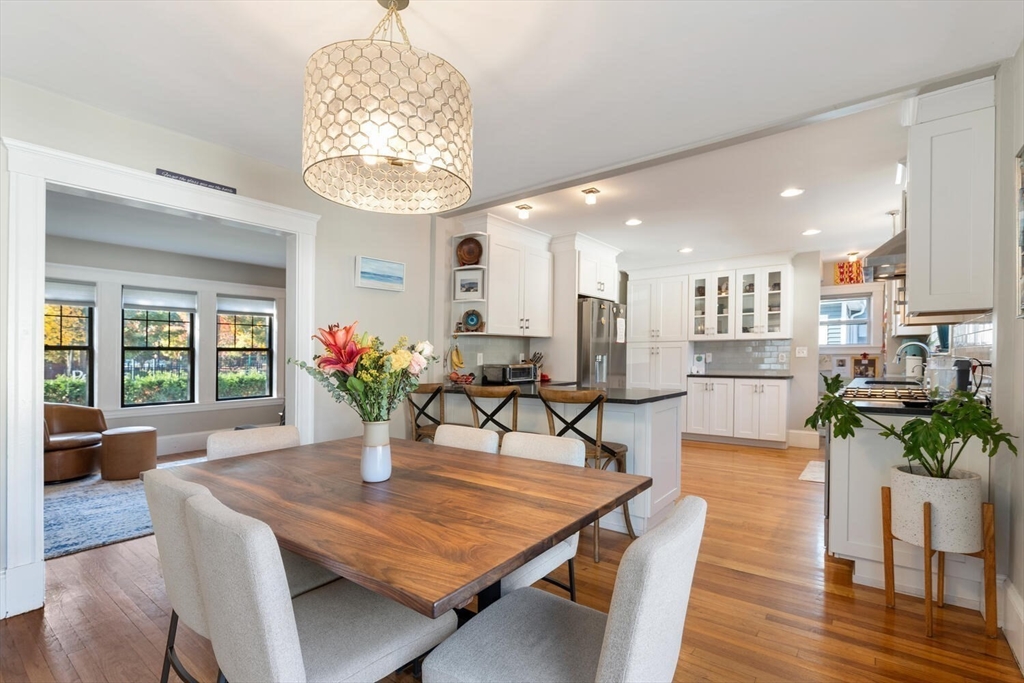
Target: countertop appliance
x,y
508,373
601,344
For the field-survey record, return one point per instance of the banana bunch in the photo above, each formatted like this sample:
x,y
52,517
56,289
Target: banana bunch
x,y
456,357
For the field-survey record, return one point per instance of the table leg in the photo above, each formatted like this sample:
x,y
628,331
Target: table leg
x,y
488,597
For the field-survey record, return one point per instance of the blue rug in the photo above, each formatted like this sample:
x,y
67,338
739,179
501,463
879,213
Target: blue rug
x,y
92,512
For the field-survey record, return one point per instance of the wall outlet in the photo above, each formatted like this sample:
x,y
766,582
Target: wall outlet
x,y
479,359
783,357
522,357
707,357
801,352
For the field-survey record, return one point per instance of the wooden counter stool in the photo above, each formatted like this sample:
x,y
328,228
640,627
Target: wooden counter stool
x,y
423,423
600,453
509,394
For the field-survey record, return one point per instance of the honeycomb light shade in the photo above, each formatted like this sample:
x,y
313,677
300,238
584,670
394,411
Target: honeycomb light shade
x,y
387,128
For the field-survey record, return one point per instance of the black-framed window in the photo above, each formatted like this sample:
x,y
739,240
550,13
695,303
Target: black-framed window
x,y
67,355
245,357
158,357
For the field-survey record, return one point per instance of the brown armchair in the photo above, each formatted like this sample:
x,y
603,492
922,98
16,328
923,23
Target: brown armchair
x,y
72,439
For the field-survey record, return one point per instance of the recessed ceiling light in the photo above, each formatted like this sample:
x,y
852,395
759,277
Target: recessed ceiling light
x,y
524,211
590,195
633,222
812,231
791,192
686,250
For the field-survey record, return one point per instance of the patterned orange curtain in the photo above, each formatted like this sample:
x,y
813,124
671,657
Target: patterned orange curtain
x,y
847,273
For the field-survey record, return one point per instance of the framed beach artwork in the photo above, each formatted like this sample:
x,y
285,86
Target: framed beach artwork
x,y
469,284
375,273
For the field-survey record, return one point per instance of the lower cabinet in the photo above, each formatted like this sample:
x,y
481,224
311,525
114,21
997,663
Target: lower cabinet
x,y
740,408
657,365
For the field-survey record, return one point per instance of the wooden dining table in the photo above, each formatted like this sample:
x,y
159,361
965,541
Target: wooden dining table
x,y
447,525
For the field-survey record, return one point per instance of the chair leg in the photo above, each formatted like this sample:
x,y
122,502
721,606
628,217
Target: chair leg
x,y
928,628
172,631
572,579
597,540
629,520
220,677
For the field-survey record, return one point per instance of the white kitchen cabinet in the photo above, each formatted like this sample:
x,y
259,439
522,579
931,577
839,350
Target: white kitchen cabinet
x,y
697,395
760,409
537,290
764,302
657,365
950,213
598,276
709,406
657,309
711,302
640,368
721,411
519,290
745,413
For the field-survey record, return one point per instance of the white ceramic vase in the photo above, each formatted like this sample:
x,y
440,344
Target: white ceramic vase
x,y
376,461
956,509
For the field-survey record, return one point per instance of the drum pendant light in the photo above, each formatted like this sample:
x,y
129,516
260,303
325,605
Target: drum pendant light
x,y
387,127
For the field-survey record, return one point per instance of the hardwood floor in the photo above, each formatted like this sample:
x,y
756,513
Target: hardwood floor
x,y
766,604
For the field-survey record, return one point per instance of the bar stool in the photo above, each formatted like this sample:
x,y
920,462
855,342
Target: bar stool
x,y
600,453
421,431
509,394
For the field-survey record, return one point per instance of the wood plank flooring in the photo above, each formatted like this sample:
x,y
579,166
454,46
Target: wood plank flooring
x,y
766,604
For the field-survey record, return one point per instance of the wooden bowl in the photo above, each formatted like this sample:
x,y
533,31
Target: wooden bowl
x,y
469,251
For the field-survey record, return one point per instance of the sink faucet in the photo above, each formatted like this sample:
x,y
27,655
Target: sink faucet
x,y
900,351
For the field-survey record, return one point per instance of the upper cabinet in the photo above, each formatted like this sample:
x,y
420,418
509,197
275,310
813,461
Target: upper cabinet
x,y
657,309
712,298
765,298
950,199
597,271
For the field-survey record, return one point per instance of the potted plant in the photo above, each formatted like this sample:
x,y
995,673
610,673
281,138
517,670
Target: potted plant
x,y
932,446
373,380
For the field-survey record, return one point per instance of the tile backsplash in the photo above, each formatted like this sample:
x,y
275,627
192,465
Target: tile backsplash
x,y
743,356
494,349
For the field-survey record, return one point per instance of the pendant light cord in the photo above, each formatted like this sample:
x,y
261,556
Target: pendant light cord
x,y
387,25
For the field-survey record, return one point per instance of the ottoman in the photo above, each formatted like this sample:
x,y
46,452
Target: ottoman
x,y
127,452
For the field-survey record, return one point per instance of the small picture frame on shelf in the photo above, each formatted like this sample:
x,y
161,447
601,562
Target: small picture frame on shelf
x,y
469,284
867,367
841,366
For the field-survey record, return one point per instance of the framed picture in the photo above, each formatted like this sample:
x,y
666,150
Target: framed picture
x,y
841,366
865,367
469,284
1020,233
375,273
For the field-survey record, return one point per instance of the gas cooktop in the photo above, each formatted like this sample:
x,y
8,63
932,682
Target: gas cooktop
x,y
886,393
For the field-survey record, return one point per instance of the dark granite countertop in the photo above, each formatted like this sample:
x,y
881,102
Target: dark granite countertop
x,y
622,396
753,374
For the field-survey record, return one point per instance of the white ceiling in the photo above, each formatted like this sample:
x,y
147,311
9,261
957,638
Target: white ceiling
x,y
561,89
726,203
96,220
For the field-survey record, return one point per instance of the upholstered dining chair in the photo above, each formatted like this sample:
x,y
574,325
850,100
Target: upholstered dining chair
x,y
550,449
423,423
531,635
482,417
229,444
600,453
470,438
339,632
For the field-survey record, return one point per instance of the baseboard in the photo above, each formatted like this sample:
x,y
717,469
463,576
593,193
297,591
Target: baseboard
x,y
732,441
1013,621
22,589
183,443
804,438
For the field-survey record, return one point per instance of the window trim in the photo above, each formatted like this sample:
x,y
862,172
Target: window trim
x,y
269,349
89,348
191,359
876,292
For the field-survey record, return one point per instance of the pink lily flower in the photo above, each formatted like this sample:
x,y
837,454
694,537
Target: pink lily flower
x,y
342,353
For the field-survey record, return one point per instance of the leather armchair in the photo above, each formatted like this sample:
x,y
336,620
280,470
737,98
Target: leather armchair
x,y
72,439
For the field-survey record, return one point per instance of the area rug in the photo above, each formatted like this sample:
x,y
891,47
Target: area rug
x,y
815,471
91,512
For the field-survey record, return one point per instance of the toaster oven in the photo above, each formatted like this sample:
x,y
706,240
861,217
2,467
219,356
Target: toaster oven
x,y
509,373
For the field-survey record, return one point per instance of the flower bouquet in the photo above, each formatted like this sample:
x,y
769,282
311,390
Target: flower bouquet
x,y
373,380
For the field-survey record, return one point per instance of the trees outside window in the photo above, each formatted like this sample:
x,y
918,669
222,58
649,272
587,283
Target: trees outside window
x,y
244,356
158,357
67,355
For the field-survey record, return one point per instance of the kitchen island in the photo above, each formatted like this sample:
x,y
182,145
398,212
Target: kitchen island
x,y
648,421
858,468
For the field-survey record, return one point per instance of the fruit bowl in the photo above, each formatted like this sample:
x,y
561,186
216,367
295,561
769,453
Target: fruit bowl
x,y
456,378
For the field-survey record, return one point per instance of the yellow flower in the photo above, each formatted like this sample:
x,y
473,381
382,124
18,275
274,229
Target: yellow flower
x,y
400,359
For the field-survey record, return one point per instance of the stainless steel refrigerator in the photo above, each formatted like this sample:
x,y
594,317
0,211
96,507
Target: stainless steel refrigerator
x,y
601,344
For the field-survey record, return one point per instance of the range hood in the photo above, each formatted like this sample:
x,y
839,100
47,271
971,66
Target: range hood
x,y
889,261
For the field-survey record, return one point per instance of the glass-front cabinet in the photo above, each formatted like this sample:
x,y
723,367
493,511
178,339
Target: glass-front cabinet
x,y
765,299
711,305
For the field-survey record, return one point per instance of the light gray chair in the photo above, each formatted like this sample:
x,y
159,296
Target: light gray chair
x,y
550,449
245,441
339,632
470,438
531,635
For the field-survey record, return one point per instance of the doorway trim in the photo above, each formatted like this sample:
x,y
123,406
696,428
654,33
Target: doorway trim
x,y
32,170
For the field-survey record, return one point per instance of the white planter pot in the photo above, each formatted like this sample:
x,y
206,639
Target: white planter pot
x,y
956,509
376,461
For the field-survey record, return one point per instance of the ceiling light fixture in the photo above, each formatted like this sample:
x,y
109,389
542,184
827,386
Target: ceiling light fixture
x,y
524,211
811,231
791,192
852,256
633,222
686,250
590,195
387,127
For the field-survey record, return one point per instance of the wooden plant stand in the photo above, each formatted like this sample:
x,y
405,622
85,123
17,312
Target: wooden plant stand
x,y
987,554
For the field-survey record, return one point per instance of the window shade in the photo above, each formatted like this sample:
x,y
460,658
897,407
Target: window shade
x,y
158,299
244,306
63,293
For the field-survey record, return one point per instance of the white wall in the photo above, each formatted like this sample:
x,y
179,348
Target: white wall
x,y
803,389
41,117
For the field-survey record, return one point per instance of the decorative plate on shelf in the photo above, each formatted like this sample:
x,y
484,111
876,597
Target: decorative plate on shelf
x,y
472,321
469,251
